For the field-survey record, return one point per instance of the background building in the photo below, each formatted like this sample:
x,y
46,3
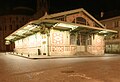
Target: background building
x,y
16,17
8,24
111,20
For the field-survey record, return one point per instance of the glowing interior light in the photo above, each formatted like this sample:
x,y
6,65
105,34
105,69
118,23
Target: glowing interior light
x,y
105,35
20,32
7,42
103,32
65,25
28,26
10,37
33,27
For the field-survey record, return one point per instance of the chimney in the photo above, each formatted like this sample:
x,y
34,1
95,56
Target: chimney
x,y
101,14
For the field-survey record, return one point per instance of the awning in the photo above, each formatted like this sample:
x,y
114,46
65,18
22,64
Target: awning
x,y
38,25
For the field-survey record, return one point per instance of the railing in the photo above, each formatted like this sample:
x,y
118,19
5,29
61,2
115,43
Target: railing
x,y
52,49
62,48
29,50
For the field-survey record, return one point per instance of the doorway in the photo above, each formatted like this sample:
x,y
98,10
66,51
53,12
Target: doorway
x,y
44,45
81,42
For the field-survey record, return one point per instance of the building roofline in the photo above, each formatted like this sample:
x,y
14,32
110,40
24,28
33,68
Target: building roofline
x,y
112,18
46,19
55,22
74,11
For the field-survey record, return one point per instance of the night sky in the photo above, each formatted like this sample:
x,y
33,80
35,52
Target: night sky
x,y
9,5
94,7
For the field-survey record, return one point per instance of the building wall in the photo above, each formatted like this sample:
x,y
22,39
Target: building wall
x,y
112,42
112,23
113,48
98,45
33,45
59,45
8,24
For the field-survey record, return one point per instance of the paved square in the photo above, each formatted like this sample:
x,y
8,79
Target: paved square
x,y
82,69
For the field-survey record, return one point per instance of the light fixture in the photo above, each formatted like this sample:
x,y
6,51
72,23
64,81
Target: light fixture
x,y
7,42
20,32
27,27
103,32
105,35
66,25
10,37
30,27
34,26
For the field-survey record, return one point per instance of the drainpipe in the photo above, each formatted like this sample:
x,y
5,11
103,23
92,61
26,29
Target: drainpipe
x,y
48,35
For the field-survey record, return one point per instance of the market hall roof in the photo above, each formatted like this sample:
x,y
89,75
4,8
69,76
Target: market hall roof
x,y
59,21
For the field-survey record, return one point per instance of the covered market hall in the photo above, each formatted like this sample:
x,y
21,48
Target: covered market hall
x,y
68,33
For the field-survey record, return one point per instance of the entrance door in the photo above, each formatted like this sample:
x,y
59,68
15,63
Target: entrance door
x,y
81,42
84,41
44,45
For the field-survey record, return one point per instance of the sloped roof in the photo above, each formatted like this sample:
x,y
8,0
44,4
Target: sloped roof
x,y
31,27
73,11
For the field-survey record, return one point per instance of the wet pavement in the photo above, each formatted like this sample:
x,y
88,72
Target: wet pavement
x,y
82,69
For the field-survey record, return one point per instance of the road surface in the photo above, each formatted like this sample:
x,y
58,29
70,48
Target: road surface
x,y
82,69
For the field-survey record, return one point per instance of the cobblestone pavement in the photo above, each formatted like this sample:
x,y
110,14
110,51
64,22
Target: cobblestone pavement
x,y
85,69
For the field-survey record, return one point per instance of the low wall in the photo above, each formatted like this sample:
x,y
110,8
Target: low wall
x,y
62,50
95,50
113,48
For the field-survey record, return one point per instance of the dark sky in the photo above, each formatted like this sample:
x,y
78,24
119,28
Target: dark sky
x,y
9,5
13,3
94,7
